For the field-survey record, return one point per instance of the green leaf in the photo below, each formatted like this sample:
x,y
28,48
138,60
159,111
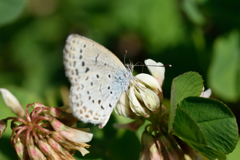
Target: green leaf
x,y
187,129
210,153
188,84
213,120
10,10
224,72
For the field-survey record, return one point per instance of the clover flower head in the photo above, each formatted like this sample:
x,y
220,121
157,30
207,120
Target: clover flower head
x,y
44,133
144,94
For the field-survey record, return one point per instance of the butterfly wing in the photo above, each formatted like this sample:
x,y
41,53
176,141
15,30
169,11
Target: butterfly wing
x,y
97,79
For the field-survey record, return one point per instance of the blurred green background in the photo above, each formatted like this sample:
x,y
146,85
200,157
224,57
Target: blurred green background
x,y
191,35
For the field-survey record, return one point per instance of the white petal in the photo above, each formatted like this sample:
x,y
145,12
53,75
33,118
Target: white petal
x,y
149,81
123,107
135,105
206,94
156,69
12,102
150,99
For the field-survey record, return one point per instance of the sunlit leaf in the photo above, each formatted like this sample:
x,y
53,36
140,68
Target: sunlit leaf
x,y
188,84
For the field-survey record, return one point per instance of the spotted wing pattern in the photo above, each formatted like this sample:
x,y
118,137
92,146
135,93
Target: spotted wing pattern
x,y
97,77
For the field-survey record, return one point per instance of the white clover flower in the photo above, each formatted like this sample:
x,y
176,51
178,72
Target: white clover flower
x,y
144,94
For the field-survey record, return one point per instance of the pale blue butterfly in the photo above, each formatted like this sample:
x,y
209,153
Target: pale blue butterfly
x,y
97,77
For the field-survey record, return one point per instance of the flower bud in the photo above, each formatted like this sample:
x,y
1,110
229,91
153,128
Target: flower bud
x,y
150,149
175,146
161,149
48,150
123,107
156,70
12,102
34,152
64,154
19,148
71,134
70,145
154,151
145,155
171,152
135,105
3,126
65,117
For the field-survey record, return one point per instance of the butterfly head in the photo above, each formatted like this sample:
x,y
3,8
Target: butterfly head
x,y
129,67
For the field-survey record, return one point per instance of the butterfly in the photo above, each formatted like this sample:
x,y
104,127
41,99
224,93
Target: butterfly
x,y
97,77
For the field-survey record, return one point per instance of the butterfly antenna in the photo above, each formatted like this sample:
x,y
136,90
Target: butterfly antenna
x,y
140,64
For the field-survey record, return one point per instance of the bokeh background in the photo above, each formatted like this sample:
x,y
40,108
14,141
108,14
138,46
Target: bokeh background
x,y
191,35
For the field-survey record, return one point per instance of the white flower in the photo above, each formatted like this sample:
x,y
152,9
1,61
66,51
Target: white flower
x,y
207,93
157,69
144,94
